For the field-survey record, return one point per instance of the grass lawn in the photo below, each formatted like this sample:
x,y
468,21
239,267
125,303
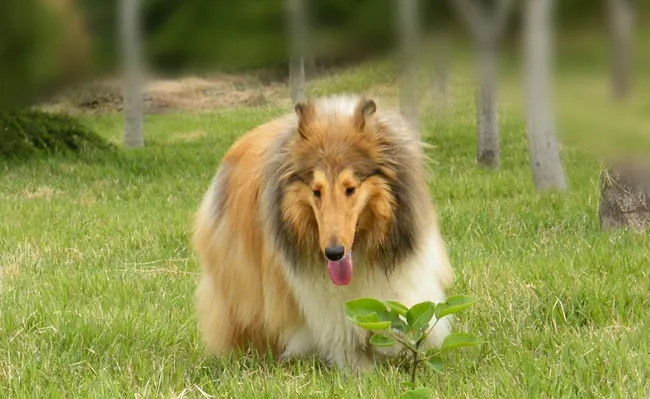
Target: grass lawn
x,y
97,275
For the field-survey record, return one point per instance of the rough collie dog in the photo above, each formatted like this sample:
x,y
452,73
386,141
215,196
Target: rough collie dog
x,y
306,212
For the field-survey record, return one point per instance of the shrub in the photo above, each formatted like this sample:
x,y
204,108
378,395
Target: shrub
x,y
24,133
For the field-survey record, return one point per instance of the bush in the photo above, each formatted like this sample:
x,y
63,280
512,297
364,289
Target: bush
x,y
24,133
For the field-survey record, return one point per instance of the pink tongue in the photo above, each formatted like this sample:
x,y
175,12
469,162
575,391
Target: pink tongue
x,y
340,270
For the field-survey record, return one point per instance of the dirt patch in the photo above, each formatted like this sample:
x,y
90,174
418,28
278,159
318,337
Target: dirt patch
x,y
167,95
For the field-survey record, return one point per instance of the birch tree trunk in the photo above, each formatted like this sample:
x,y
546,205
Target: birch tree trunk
x,y
133,73
545,161
297,39
408,37
621,21
488,153
487,22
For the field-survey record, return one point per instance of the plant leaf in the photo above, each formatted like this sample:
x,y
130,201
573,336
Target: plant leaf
x,y
417,393
364,307
371,322
459,340
397,308
453,304
435,364
382,340
420,314
398,324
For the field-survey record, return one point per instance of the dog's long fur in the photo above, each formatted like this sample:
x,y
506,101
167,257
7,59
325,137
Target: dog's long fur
x,y
338,170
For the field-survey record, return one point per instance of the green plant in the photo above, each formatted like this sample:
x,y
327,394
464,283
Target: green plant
x,y
392,322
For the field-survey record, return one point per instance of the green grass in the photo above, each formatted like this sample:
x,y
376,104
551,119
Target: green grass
x,y
97,275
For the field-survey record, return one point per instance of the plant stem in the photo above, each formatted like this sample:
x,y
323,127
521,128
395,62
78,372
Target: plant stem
x,y
406,344
432,327
413,367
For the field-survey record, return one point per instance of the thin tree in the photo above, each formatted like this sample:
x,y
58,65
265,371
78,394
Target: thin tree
x,y
133,73
545,161
309,48
440,74
487,24
297,38
621,28
408,26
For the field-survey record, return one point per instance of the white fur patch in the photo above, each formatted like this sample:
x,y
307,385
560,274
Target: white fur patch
x,y
322,302
341,105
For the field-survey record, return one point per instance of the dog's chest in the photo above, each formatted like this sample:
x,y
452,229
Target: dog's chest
x,y
322,304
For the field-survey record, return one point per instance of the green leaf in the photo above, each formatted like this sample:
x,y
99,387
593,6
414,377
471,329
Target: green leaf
x,y
371,322
453,304
435,364
364,307
417,393
382,340
397,308
460,340
420,314
398,324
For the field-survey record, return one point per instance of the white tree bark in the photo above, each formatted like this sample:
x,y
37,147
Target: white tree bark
x,y
488,152
133,64
297,32
409,40
545,161
621,21
487,25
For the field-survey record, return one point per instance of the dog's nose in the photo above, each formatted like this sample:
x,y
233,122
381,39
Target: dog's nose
x,y
334,253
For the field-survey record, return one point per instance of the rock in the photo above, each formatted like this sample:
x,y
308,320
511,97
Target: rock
x,y
625,196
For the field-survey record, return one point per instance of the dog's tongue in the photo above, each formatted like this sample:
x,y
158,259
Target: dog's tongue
x,y
340,270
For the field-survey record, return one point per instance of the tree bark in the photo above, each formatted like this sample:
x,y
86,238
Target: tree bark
x,y
545,161
621,21
487,23
409,41
133,73
440,74
297,33
488,153
625,196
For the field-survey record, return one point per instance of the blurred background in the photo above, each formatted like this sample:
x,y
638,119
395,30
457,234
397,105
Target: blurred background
x,y
115,114
77,55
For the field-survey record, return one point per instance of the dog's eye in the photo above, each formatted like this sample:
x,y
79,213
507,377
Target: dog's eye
x,y
349,191
317,193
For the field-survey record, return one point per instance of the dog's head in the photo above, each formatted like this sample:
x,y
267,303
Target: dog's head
x,y
341,193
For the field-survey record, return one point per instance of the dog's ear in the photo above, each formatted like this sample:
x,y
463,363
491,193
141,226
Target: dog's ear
x,y
305,112
365,109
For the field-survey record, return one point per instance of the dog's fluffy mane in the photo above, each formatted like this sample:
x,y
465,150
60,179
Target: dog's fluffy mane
x,y
384,145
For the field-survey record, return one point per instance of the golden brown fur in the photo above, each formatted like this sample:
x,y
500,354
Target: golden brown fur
x,y
335,173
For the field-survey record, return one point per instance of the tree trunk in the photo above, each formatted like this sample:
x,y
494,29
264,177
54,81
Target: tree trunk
x,y
297,80
133,73
488,153
297,32
310,67
408,36
625,197
621,18
487,21
440,88
545,161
